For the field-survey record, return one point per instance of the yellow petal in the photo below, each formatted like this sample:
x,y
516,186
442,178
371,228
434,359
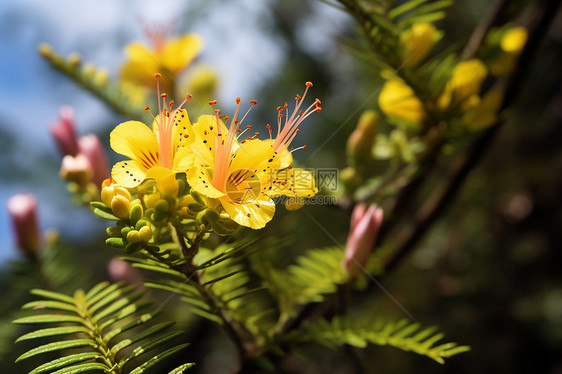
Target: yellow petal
x,y
204,144
292,182
179,52
128,173
398,100
135,140
141,65
183,160
200,181
165,180
254,215
255,155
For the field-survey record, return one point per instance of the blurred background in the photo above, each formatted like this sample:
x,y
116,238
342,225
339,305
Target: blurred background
x,y
488,273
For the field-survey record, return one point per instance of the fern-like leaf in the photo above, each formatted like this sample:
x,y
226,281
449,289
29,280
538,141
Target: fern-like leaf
x,y
359,332
101,324
316,273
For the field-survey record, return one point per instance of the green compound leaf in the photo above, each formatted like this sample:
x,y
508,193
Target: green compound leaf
x,y
95,326
359,332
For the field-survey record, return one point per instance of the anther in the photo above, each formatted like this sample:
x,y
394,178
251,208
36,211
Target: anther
x,y
157,75
164,95
213,102
308,84
253,102
237,100
188,97
146,107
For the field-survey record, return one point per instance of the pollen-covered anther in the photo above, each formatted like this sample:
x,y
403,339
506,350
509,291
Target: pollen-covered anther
x,y
308,84
188,97
213,102
279,109
253,102
237,100
157,75
163,95
146,107
249,127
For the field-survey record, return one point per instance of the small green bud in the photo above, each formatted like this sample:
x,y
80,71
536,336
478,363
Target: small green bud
x,y
162,206
140,223
46,50
211,215
360,142
115,242
133,236
121,206
124,231
196,207
197,197
145,233
136,213
113,231
218,228
74,59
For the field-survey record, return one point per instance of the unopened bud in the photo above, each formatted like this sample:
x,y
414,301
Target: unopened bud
x,y
145,233
136,213
121,207
23,211
64,133
76,169
91,147
360,142
364,227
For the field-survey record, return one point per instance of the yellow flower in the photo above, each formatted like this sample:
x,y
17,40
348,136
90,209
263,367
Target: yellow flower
x,y
397,99
156,153
466,80
514,40
244,176
511,44
167,56
418,41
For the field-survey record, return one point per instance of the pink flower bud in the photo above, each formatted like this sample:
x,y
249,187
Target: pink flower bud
x,y
365,224
23,210
76,169
91,147
64,133
120,270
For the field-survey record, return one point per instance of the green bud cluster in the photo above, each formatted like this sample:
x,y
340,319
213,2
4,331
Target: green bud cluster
x,y
146,216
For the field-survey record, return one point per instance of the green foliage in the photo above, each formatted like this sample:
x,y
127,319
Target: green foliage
x,y
316,273
358,332
106,328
